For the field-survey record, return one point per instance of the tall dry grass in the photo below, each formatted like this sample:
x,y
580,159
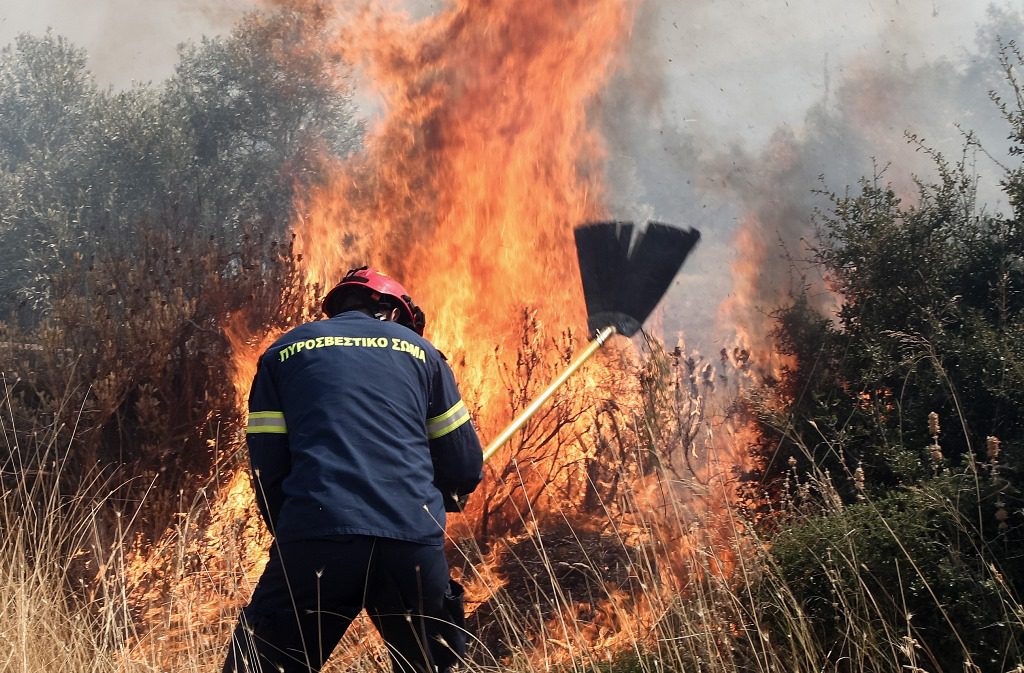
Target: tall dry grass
x,y
668,575
70,594
689,594
48,622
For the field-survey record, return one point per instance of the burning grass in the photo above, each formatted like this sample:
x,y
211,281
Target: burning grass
x,y
603,595
659,570
609,536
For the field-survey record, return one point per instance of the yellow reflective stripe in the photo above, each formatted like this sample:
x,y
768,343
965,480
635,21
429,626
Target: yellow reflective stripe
x,y
267,422
439,426
456,408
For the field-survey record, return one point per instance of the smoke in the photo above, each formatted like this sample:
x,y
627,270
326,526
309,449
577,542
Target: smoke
x,y
126,40
726,116
732,116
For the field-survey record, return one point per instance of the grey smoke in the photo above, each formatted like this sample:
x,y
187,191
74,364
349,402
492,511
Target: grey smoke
x,y
126,40
739,111
725,109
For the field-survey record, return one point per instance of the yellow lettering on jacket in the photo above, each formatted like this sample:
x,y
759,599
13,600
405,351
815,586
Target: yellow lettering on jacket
x,y
410,348
352,342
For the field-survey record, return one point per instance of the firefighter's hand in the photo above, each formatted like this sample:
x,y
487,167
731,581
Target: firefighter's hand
x,y
454,502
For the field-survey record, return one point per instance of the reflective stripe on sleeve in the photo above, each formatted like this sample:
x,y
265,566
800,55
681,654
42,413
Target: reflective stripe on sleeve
x,y
266,422
439,426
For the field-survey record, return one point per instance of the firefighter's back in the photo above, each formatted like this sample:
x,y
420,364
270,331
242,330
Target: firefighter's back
x,y
355,391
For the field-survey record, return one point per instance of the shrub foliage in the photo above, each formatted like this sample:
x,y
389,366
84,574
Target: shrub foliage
x,y
134,224
904,420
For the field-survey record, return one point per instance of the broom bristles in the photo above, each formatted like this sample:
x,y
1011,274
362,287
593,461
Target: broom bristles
x,y
623,283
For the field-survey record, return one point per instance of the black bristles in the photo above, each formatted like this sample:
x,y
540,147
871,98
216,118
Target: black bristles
x,y
623,285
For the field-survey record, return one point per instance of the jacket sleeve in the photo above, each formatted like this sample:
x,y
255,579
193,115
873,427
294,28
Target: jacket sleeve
x,y
454,446
266,435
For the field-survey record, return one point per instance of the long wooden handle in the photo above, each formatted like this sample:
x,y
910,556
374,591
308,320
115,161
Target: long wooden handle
x,y
530,410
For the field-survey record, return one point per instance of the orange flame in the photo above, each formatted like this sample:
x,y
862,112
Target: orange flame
x,y
745,310
467,191
470,185
468,188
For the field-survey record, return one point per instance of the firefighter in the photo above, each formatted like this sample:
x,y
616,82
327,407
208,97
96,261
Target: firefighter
x,y
359,442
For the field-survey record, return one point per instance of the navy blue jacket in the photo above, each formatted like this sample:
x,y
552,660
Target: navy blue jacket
x,y
356,426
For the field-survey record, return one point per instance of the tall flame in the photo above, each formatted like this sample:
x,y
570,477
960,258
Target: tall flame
x,y
467,191
469,186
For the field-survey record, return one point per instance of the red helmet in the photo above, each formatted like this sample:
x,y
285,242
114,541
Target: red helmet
x,y
381,286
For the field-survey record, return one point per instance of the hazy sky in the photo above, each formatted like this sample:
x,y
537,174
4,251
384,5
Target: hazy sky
x,y
712,49
727,112
771,59
126,39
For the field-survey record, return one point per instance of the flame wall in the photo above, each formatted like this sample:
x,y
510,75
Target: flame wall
x,y
484,160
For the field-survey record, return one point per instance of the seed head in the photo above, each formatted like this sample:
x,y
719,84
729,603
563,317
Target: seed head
x,y
992,448
933,424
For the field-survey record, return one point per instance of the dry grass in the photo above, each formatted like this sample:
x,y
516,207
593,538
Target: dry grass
x,y
668,577
668,589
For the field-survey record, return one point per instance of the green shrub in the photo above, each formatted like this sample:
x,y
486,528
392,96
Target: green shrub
x,y
925,567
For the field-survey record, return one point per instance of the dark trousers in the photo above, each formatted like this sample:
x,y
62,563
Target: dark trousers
x,y
311,590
